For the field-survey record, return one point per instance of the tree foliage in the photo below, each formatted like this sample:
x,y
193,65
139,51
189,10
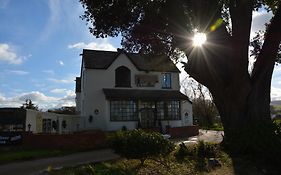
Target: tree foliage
x,y
71,110
29,105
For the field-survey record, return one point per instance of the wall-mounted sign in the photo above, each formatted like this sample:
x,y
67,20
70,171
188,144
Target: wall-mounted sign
x,y
10,138
143,80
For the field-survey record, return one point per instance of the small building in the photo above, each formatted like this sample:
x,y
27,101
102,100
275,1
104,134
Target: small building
x,y
120,89
17,119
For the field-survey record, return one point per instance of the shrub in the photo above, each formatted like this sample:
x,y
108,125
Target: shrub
x,y
182,152
137,144
206,149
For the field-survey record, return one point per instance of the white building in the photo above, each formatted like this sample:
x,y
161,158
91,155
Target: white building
x,y
119,89
17,119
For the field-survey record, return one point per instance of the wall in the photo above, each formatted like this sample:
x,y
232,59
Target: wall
x,y
183,132
35,118
81,140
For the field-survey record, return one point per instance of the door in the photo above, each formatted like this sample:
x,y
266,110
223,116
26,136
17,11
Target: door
x,y
147,115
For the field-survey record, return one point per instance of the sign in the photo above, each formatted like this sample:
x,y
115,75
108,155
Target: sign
x,y
146,80
10,138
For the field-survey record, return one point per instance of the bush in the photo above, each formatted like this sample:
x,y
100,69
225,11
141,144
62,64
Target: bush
x,y
206,149
137,144
182,152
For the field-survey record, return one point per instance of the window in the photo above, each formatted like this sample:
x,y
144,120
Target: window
x,y
166,81
168,110
47,126
121,110
122,77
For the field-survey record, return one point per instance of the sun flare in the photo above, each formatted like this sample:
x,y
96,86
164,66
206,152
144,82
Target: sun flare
x,y
199,39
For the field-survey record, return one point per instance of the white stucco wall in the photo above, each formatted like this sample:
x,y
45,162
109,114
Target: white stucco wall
x,y
35,119
92,97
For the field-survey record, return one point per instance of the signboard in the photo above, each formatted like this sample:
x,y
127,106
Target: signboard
x,y
146,80
10,138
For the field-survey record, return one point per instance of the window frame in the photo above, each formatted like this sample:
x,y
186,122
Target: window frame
x,y
128,117
168,113
120,73
166,84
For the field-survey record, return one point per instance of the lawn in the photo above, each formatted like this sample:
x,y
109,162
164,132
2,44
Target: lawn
x,y
12,154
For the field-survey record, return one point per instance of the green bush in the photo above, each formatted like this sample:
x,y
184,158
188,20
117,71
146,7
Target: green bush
x,y
206,149
137,144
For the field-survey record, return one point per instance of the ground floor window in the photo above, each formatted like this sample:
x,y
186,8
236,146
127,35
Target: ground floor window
x,y
129,110
168,110
123,110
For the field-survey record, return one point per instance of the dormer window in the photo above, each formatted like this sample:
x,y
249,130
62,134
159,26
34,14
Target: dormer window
x,y
122,77
166,81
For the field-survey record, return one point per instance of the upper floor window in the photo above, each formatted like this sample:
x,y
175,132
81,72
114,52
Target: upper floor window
x,y
122,77
166,80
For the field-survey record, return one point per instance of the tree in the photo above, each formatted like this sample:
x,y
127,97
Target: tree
x,y
70,110
29,105
204,110
166,27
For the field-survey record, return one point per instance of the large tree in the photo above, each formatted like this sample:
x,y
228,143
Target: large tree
x,y
167,26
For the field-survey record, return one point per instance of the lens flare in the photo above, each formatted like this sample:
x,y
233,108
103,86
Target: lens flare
x,y
199,39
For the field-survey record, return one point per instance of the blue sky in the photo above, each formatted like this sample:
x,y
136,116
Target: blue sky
x,y
40,43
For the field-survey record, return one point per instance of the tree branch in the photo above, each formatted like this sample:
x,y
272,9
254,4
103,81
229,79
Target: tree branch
x,y
241,18
267,56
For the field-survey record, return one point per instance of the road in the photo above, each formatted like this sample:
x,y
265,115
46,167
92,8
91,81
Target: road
x,y
35,167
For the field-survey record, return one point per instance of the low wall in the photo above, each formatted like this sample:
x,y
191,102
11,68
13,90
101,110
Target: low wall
x,y
79,140
185,131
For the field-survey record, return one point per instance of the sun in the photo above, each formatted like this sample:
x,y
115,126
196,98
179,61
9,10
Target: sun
x,y
199,39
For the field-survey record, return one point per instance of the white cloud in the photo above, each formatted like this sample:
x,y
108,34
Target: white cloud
x,y
60,91
275,93
51,72
100,44
259,20
8,55
38,98
18,72
61,63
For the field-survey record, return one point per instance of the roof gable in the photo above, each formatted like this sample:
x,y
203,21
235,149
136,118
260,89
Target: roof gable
x,y
94,59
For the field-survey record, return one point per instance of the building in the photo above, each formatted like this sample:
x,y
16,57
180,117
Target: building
x,y
120,89
17,119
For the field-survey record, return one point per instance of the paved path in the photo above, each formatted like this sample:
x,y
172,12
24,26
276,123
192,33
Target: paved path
x,y
205,135
35,167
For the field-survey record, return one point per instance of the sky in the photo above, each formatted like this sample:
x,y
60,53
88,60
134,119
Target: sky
x,y
40,44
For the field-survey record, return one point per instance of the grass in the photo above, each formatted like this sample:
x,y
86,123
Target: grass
x,y
13,155
215,127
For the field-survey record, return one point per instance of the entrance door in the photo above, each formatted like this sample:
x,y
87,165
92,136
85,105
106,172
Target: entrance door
x,y
147,114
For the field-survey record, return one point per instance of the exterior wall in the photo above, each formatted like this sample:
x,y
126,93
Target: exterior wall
x,y
35,119
94,104
78,102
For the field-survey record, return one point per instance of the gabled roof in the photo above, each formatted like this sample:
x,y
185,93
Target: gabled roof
x,y
144,94
96,59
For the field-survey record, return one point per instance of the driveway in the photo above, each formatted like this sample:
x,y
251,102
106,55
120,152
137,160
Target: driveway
x,y
35,167
205,135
